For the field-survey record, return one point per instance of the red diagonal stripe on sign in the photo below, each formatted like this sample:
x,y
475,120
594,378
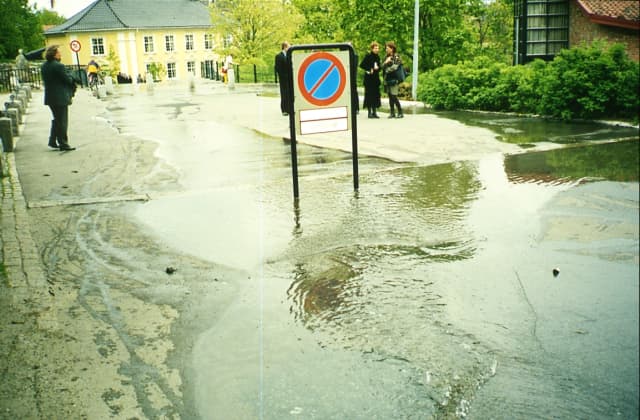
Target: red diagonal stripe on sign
x,y
324,76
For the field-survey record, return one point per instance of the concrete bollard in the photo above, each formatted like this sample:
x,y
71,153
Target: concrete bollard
x,y
14,116
24,100
27,91
14,105
102,91
4,171
15,100
231,78
108,83
6,132
149,81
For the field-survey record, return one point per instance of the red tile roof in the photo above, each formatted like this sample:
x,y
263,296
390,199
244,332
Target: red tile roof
x,y
623,13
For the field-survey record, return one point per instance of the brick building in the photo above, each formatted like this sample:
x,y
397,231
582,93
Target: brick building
x,y
614,21
543,27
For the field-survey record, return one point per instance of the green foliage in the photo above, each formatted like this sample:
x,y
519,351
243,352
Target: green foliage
x,y
584,83
19,28
112,67
320,23
590,82
257,28
157,71
49,17
450,30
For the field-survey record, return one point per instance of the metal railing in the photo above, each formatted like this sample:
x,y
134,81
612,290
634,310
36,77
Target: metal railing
x,y
10,78
250,73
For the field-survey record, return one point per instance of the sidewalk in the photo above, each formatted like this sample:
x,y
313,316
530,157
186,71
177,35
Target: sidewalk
x,y
17,248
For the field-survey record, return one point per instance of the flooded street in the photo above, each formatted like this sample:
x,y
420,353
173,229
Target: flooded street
x,y
502,287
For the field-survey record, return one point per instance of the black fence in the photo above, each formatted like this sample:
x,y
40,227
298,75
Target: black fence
x,y
10,78
250,73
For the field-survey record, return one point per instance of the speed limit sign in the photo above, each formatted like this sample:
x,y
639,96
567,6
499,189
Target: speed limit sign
x,y
75,45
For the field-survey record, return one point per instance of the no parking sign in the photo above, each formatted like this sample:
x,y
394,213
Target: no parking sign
x,y
324,96
322,99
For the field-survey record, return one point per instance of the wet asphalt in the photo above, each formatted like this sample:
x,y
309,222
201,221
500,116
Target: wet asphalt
x,y
43,180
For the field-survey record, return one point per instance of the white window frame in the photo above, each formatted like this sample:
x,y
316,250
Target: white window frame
x,y
227,41
191,67
208,41
97,46
149,47
189,42
171,71
169,43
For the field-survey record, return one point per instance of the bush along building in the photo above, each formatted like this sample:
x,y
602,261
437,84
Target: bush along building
x,y
544,27
168,39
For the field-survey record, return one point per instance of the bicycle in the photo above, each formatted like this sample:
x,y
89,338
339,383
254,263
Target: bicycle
x,y
94,81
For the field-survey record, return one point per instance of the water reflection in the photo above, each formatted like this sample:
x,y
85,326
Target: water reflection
x,y
408,284
611,161
407,218
523,130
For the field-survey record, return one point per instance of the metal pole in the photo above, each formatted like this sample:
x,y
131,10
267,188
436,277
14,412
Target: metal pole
x,y
416,30
78,70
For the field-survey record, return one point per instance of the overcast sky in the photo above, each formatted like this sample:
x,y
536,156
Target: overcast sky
x,y
66,8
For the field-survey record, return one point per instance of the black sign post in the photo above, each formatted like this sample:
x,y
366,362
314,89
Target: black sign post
x,y
323,97
75,47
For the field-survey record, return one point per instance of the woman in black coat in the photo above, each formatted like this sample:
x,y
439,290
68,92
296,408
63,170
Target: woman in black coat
x,y
371,66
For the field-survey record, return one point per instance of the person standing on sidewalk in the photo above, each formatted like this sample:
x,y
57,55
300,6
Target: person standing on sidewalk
x,y
392,85
59,88
371,66
283,78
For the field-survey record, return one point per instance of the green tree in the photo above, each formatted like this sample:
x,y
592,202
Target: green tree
x,y
19,28
491,26
256,28
112,68
321,21
49,17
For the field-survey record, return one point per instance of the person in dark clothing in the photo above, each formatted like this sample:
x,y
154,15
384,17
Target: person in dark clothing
x,y
371,66
389,66
284,78
59,88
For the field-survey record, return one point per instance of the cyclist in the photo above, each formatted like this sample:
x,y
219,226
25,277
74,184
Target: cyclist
x,y
92,72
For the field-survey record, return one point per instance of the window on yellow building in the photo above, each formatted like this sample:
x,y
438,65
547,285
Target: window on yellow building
x,y
97,46
148,44
169,44
191,67
171,70
188,42
228,40
208,41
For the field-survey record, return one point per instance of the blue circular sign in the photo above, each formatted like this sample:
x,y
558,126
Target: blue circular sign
x,y
321,78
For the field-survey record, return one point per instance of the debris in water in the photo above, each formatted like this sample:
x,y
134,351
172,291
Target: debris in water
x,y
556,272
170,270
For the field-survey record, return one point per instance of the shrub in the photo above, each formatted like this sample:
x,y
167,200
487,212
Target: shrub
x,y
585,82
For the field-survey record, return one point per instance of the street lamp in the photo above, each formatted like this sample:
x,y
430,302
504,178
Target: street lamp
x,y
414,78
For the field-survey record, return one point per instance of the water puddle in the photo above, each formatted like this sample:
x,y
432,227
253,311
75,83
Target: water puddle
x,y
425,294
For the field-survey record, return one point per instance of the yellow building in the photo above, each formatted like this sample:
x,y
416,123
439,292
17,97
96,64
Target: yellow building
x,y
173,35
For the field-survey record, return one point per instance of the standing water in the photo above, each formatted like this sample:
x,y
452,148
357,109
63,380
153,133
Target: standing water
x,y
429,293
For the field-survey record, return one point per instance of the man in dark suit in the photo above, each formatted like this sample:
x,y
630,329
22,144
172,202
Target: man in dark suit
x,y
59,88
284,78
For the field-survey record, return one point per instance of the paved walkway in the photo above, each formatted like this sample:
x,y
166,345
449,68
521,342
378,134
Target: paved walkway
x,y
18,252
